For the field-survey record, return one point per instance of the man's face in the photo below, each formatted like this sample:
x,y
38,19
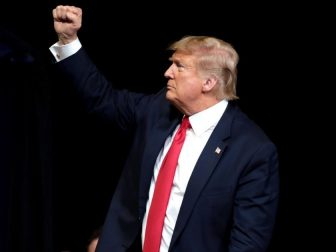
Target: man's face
x,y
184,85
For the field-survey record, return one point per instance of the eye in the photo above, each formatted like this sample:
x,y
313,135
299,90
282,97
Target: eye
x,y
179,66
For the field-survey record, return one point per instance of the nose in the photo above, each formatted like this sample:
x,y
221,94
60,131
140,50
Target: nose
x,y
169,73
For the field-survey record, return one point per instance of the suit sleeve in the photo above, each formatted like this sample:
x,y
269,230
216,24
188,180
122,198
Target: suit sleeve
x,y
256,202
98,95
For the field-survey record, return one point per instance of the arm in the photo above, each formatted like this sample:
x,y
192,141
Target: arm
x,y
256,202
95,90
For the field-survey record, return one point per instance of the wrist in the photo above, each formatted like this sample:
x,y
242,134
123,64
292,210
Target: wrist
x,y
63,40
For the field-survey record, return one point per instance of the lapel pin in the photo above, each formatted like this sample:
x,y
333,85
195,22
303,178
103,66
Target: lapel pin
x,y
218,150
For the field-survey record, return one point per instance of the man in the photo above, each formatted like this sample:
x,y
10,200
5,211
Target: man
x,y
225,190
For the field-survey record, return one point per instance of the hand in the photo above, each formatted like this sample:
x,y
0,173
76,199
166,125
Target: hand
x,y
67,22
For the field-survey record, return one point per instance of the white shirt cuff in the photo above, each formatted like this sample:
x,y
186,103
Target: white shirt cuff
x,y
61,52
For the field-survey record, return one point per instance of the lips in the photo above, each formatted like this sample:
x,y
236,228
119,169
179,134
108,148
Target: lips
x,y
169,85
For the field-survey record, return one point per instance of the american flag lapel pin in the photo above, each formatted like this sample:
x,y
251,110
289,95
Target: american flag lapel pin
x,y
218,150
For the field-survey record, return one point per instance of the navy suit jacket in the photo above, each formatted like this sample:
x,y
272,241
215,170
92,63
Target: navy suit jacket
x,y
231,199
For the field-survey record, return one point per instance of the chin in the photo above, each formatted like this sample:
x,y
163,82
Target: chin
x,y
169,96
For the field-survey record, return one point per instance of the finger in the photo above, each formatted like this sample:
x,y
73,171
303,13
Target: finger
x,y
75,10
74,14
67,13
59,13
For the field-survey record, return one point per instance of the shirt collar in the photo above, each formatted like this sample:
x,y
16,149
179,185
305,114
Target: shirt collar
x,y
208,118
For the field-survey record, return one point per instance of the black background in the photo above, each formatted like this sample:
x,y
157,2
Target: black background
x,y
59,165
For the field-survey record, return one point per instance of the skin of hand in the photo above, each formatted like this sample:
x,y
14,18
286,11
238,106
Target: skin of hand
x,y
92,246
67,22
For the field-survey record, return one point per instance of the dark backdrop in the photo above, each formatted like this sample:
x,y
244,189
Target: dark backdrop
x,y
59,166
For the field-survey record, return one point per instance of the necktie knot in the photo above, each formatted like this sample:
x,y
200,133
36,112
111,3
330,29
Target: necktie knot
x,y
185,124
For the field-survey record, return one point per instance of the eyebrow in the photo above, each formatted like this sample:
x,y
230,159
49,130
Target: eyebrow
x,y
182,62
175,60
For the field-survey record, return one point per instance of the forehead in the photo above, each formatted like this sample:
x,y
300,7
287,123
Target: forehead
x,y
183,58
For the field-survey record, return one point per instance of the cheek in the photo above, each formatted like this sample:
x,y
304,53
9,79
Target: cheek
x,y
188,87
192,89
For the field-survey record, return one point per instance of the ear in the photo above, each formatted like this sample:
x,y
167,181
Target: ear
x,y
209,84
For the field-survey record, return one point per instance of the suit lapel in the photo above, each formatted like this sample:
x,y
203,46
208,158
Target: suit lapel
x,y
204,167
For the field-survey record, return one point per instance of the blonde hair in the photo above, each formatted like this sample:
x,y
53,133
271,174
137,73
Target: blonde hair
x,y
215,57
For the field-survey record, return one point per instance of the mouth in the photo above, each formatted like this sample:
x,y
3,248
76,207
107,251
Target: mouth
x,y
169,86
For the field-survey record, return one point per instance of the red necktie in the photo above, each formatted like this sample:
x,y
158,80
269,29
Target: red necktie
x,y
162,190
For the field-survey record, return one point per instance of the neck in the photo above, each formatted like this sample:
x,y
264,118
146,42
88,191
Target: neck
x,y
199,106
